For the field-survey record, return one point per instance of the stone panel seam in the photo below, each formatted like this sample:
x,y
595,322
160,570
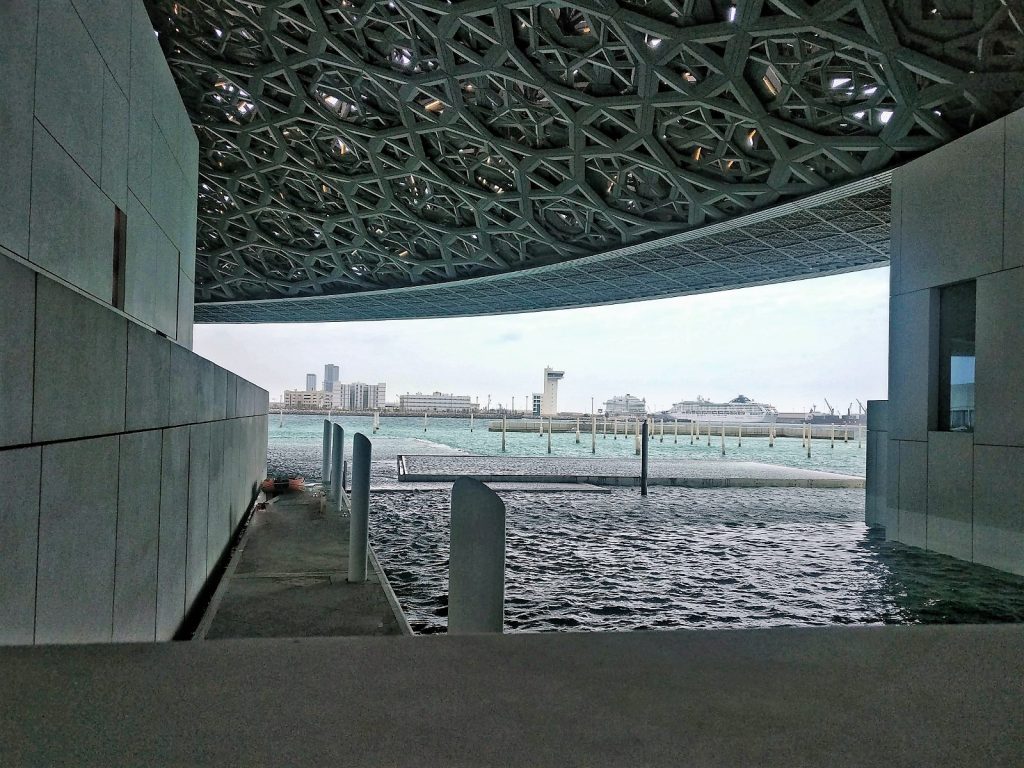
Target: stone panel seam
x,y
119,433
99,51
39,533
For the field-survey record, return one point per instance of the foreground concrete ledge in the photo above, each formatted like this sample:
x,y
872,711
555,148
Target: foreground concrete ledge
x,y
891,696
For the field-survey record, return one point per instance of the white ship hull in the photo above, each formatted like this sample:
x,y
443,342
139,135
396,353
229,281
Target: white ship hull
x,y
720,418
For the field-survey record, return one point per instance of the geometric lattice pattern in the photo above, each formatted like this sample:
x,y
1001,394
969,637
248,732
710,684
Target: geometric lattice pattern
x,y
355,146
829,233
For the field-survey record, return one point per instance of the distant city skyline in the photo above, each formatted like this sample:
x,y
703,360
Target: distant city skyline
x,y
791,344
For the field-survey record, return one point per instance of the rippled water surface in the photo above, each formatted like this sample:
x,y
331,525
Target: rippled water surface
x,y
725,557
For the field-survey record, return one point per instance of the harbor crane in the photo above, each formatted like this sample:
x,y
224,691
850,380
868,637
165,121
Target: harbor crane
x,y
831,410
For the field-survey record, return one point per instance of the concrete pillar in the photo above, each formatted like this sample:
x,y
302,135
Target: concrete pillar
x,y
593,433
503,427
476,562
549,434
471,422
337,454
577,431
325,469
359,517
723,438
643,457
739,435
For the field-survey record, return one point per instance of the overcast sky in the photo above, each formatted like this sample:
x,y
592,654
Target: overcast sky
x,y
791,345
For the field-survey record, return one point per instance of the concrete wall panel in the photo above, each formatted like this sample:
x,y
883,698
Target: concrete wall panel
x,y
149,375
184,380
218,401
1013,189
109,26
956,234
218,522
17,73
77,541
138,528
198,509
17,318
950,493
72,220
999,507
186,298
19,528
999,391
79,377
141,126
114,160
69,85
912,318
174,490
913,490
891,518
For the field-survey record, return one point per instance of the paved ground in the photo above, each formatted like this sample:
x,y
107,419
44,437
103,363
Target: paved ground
x,y
892,696
290,580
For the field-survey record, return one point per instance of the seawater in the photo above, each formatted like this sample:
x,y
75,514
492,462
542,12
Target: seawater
x,y
681,558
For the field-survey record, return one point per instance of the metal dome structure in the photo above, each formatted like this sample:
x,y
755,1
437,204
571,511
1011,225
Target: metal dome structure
x,y
367,159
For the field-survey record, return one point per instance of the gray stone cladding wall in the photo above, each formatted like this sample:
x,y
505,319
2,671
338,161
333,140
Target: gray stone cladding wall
x,y
127,461
91,121
958,214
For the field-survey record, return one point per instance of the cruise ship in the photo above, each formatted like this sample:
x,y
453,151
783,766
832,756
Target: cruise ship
x,y
739,410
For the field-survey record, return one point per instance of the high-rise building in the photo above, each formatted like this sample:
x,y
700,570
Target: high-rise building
x,y
358,396
537,398
549,403
625,405
310,382
330,377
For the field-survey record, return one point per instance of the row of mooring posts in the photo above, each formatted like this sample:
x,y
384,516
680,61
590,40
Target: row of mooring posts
x,y
476,571
333,478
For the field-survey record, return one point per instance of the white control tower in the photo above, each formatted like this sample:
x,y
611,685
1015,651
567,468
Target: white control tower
x,y
549,403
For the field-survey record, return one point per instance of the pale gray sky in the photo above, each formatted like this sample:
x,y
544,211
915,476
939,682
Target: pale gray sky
x,y
791,345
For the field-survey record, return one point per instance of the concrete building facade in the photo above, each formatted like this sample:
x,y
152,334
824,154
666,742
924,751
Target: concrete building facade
x,y
305,398
945,453
436,401
359,396
549,401
134,459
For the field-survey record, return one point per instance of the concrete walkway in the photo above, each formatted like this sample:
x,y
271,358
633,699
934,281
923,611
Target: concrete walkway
x,y
289,579
892,696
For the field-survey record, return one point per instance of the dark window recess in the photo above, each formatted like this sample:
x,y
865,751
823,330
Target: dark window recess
x,y
120,239
957,320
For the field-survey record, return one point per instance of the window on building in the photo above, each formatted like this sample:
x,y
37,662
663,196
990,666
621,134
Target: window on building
x,y
120,240
957,312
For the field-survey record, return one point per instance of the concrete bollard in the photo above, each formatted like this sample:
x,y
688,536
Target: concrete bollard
x,y
476,560
549,434
739,435
359,517
662,430
643,458
325,468
593,433
337,455
605,427
503,426
808,441
675,436
424,422
540,428
577,431
636,437
771,436
615,429
691,432
471,421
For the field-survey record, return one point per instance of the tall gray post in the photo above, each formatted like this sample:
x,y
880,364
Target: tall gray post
x,y
503,427
325,469
476,561
549,435
337,454
645,434
593,433
359,517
